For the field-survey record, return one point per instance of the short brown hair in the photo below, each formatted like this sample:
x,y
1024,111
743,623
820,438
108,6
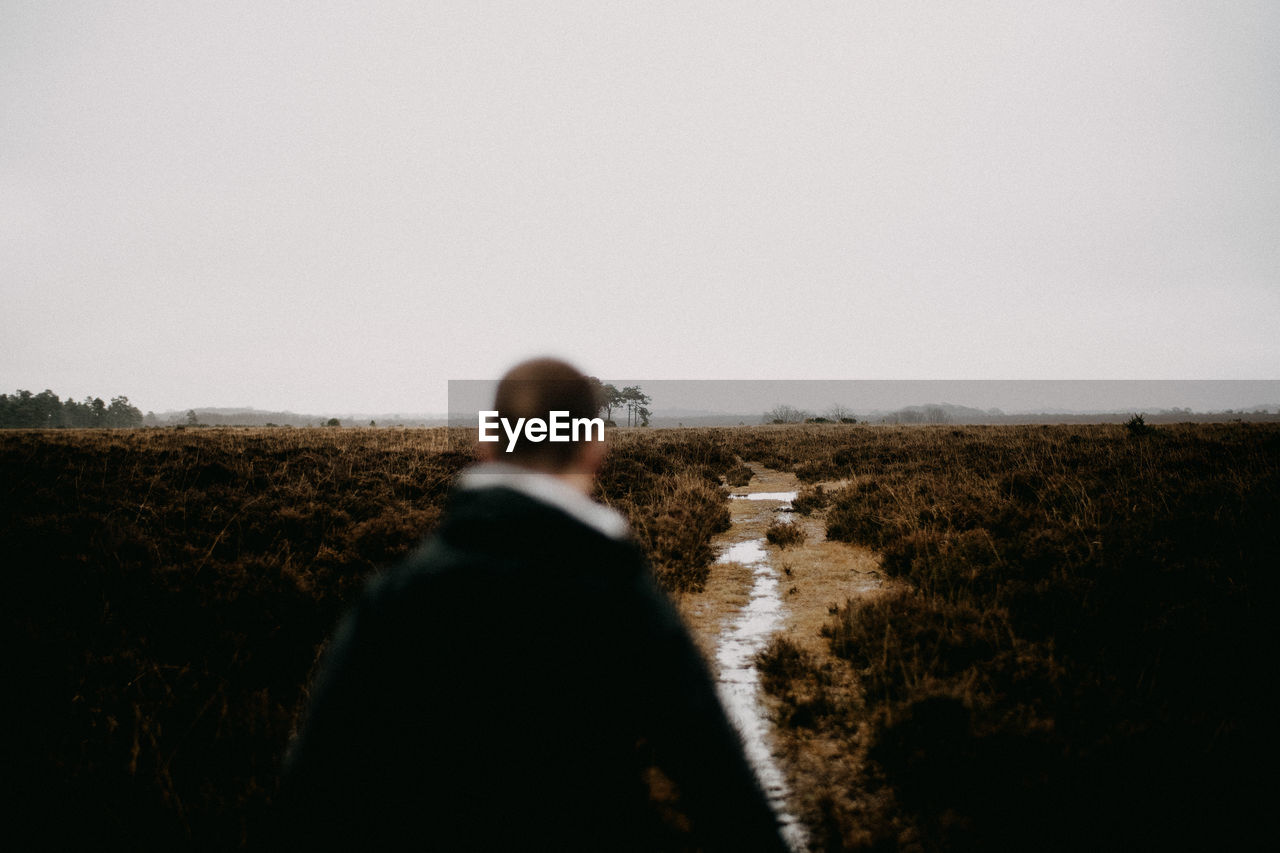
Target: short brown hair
x,y
534,389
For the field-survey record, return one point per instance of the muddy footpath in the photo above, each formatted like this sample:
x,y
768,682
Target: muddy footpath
x,y
758,591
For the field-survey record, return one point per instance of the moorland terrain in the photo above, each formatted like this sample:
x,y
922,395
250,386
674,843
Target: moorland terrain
x,y
998,636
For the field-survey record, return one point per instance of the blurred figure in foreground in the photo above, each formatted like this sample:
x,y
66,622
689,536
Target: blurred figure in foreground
x,y
507,685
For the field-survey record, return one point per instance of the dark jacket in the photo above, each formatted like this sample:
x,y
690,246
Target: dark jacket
x,y
503,688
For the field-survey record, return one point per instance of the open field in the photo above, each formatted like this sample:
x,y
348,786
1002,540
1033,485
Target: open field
x,y
1067,654
995,636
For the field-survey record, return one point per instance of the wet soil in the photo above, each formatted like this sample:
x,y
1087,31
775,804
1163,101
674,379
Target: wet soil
x,y
756,591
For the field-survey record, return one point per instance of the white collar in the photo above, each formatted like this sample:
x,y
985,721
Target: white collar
x,y
549,490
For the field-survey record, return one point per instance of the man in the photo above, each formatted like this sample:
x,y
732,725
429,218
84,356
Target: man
x,y
506,687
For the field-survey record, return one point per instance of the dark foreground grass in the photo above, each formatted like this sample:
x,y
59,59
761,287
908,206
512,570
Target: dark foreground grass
x,y
1079,655
1076,657
169,590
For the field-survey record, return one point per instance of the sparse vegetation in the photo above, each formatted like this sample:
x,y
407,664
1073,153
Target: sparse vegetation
x,y
782,534
784,414
810,500
840,414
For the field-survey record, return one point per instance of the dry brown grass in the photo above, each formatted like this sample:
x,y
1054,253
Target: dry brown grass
x,y
1075,606
1077,622
171,589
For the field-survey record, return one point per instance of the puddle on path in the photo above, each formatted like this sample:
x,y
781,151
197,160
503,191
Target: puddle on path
x,y
785,497
739,682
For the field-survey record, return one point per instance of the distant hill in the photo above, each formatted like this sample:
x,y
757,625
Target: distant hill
x,y
927,413
936,413
262,417
950,413
946,413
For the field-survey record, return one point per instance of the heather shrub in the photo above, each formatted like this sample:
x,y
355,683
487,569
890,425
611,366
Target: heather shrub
x,y
669,488
800,683
782,534
810,500
1137,426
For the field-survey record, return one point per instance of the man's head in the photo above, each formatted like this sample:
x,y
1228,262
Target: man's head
x,y
535,389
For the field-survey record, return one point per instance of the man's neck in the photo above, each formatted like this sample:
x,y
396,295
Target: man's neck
x,y
570,492
580,480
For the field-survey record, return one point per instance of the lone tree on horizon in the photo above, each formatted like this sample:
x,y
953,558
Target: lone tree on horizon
x,y
632,398
637,403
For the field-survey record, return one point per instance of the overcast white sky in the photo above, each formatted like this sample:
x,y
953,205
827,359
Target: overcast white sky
x,y
339,207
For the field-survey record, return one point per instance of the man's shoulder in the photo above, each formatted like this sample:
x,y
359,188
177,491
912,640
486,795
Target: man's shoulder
x,y
546,490
500,535
502,522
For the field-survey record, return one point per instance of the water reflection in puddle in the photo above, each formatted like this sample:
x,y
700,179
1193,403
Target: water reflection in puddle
x,y
740,680
786,497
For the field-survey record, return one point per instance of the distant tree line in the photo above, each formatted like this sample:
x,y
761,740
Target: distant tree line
x,y
24,410
784,414
630,399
